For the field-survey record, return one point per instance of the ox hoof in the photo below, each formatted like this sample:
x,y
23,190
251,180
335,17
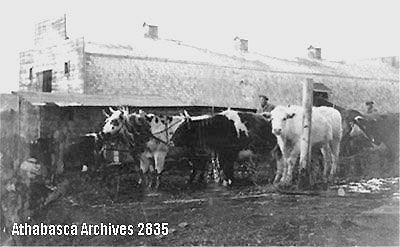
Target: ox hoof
x,y
227,183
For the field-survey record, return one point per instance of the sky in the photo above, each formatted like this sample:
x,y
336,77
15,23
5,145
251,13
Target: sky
x,y
345,30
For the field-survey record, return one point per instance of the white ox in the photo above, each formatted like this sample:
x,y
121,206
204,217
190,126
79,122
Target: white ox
x,y
326,130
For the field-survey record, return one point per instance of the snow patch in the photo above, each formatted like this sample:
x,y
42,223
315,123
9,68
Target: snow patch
x,y
374,185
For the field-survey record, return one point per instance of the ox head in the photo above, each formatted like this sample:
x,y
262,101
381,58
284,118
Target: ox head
x,y
114,121
365,126
278,118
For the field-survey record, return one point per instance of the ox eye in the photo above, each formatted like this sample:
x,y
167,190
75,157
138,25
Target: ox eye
x,y
115,122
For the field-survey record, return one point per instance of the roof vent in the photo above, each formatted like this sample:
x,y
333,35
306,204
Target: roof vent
x,y
241,44
150,31
314,52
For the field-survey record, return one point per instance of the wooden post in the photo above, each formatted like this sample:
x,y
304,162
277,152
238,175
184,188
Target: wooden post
x,y
305,145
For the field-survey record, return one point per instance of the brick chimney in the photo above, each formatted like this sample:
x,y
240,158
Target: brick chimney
x,y
314,52
241,44
150,31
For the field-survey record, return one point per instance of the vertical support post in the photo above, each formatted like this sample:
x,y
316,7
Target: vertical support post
x,y
305,145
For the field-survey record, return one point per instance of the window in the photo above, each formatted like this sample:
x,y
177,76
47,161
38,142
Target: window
x,y
67,68
323,95
31,73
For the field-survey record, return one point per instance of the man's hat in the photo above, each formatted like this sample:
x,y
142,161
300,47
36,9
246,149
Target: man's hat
x,y
369,103
263,96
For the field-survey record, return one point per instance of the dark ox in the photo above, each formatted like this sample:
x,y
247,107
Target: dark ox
x,y
86,152
231,134
382,128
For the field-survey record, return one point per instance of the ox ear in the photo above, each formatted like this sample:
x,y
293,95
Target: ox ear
x,y
267,115
149,118
105,113
125,110
142,113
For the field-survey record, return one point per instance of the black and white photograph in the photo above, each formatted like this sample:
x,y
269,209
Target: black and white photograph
x,y
199,123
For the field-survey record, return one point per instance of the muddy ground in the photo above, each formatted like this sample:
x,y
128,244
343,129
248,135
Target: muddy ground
x,y
215,215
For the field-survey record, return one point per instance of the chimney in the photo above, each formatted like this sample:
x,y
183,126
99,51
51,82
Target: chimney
x,y
314,52
150,31
241,44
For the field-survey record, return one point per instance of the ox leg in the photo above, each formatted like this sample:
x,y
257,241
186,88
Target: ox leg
x,y
335,145
277,157
159,161
327,154
151,174
284,163
279,169
144,168
290,163
227,167
148,170
193,173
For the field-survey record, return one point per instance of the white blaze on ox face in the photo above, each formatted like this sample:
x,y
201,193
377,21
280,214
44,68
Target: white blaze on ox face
x,y
239,125
113,123
278,118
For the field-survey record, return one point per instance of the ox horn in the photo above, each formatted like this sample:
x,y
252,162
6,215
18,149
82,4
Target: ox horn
x,y
358,118
186,114
111,109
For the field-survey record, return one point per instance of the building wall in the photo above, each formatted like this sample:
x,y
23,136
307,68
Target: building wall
x,y
50,31
54,57
18,128
202,84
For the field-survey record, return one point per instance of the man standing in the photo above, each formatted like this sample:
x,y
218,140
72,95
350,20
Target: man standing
x,y
370,107
264,105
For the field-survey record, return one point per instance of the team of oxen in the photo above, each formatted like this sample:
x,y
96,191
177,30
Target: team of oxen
x,y
232,136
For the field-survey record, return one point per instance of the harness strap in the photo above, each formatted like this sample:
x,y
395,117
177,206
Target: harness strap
x,y
167,127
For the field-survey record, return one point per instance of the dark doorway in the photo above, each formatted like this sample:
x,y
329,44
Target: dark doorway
x,y
45,78
318,94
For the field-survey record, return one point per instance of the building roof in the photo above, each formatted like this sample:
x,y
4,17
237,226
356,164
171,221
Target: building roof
x,y
172,50
64,99
231,78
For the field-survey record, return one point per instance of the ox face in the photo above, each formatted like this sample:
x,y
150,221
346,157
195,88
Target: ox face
x,y
113,122
367,127
278,119
355,130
